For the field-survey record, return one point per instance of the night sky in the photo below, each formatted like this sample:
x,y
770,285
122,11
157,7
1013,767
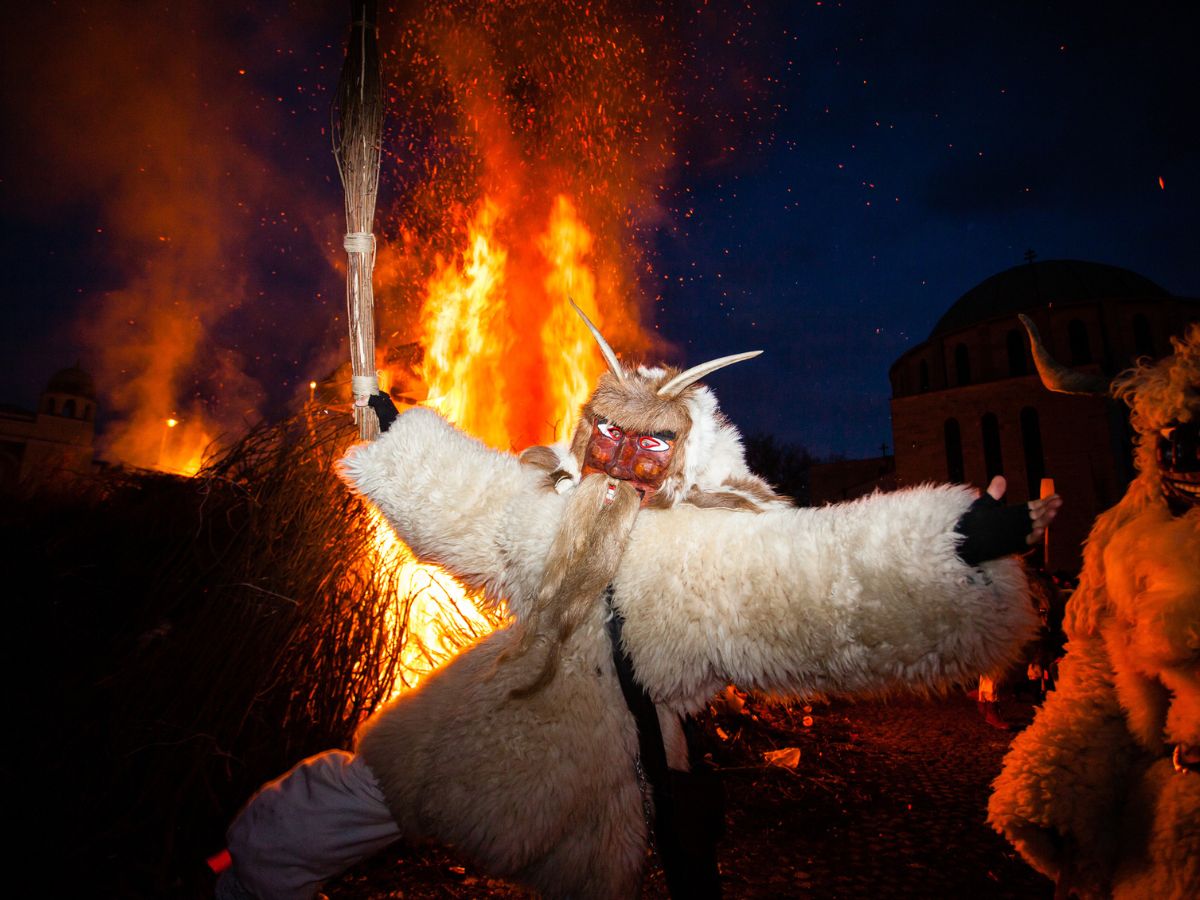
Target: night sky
x,y
842,172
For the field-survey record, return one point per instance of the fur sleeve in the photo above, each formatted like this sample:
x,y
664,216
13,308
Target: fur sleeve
x,y
458,503
861,597
866,596
1058,797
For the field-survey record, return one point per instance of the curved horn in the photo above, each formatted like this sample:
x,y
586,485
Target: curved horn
x,y
676,385
614,365
1057,377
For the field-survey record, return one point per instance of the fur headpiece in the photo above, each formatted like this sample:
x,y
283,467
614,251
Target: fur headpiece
x,y
708,467
1163,393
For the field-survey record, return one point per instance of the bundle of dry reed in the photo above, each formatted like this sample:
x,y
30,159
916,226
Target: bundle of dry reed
x,y
357,134
200,636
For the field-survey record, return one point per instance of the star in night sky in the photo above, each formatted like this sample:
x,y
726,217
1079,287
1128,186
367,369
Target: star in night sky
x,y
839,174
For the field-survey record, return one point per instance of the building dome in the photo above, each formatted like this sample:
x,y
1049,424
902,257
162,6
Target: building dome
x,y
1041,285
967,403
72,381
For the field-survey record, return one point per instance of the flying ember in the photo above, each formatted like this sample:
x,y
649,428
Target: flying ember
x,y
525,144
524,147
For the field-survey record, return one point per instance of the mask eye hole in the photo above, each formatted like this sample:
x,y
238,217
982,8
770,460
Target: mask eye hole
x,y
649,442
609,430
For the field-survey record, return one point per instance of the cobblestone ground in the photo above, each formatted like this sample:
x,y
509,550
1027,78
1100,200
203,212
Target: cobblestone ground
x,y
888,801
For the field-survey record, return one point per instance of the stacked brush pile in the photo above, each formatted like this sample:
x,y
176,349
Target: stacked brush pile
x,y
192,637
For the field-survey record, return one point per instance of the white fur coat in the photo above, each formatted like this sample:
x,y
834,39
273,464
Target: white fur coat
x,y
864,597
1088,793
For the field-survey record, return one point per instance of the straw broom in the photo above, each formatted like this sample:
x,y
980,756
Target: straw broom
x,y
357,132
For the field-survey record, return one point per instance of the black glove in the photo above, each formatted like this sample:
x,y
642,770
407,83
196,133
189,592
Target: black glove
x,y
993,530
385,409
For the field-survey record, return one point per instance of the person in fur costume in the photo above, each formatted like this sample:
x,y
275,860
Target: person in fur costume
x,y
1102,792
646,544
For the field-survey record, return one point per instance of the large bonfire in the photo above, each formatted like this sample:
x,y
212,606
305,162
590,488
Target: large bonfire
x,y
524,144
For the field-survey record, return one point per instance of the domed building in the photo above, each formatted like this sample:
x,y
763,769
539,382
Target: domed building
x,y
57,439
967,403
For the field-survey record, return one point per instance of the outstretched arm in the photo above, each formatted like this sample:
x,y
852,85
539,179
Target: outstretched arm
x,y
867,596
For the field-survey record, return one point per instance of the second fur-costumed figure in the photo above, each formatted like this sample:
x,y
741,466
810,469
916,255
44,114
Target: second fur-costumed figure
x,y
1102,792
523,752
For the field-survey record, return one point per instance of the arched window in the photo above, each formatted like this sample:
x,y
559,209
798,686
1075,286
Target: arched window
x,y
69,409
962,365
992,459
1081,347
923,377
48,406
1031,441
1143,340
954,456
1017,365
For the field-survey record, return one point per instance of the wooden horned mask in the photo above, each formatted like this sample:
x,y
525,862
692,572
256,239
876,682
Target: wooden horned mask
x,y
661,432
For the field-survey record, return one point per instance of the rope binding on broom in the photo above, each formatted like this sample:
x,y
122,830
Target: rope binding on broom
x,y
363,387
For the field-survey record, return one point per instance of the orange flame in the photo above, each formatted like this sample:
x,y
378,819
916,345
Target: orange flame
x,y
435,615
572,362
557,139
182,447
470,365
465,344
475,357
165,160
526,139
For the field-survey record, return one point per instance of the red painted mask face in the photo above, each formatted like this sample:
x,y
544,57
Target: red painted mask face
x,y
640,459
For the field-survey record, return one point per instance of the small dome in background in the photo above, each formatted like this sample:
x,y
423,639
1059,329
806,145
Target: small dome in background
x,y
1042,284
73,381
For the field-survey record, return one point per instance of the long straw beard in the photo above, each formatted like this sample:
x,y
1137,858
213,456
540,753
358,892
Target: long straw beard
x,y
582,562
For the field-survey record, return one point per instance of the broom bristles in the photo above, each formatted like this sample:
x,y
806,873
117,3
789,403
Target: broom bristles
x,y
357,136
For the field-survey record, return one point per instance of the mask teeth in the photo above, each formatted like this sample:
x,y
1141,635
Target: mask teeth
x,y
1192,489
